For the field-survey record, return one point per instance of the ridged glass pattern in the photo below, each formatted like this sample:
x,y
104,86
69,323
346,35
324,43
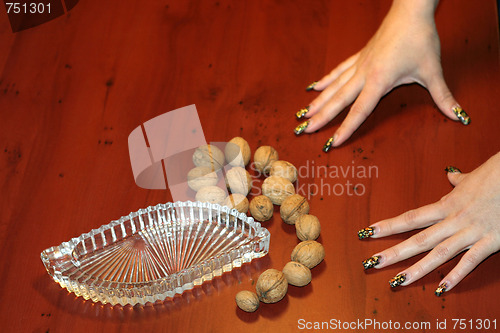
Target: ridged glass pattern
x,y
155,253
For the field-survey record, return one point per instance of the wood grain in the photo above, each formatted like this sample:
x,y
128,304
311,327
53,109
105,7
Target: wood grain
x,y
72,90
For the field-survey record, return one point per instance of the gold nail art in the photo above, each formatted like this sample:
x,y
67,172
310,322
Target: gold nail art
x,y
301,128
441,289
397,280
461,115
311,86
371,262
452,169
302,112
366,232
328,145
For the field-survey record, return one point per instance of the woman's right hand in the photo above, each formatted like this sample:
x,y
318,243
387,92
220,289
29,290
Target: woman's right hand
x,y
405,49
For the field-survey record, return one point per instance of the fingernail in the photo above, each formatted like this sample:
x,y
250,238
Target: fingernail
x,y
302,112
452,169
461,115
311,86
328,145
366,232
441,289
302,127
371,262
397,280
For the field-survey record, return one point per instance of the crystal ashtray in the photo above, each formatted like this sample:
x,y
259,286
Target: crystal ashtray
x,y
156,253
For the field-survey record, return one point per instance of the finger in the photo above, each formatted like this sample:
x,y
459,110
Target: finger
x,y
337,103
416,244
413,219
320,101
473,257
456,178
360,110
440,254
444,99
336,72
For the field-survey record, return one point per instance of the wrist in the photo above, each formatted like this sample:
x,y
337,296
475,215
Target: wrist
x,y
419,8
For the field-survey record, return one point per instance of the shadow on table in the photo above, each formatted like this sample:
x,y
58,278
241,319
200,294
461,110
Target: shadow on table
x,y
70,303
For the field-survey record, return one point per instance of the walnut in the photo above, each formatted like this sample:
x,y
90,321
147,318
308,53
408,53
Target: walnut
x,y
263,157
238,180
200,177
277,189
210,156
307,227
261,208
238,201
212,194
297,274
247,301
271,286
293,207
308,253
284,169
237,152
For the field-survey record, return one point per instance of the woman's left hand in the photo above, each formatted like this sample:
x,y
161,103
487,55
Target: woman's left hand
x,y
468,218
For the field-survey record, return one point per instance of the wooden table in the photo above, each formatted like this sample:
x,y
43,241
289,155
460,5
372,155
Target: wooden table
x,y
72,89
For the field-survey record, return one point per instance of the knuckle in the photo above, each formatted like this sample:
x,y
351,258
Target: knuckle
x,y
442,251
421,239
360,110
471,258
410,217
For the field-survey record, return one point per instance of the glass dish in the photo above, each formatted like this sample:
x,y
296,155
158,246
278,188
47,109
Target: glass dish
x,y
155,253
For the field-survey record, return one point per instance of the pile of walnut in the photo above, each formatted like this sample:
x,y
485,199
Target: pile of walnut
x,y
277,189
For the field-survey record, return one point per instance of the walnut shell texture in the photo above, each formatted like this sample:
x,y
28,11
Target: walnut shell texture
x,y
284,169
309,253
271,286
237,201
237,152
307,227
210,156
293,207
263,158
297,274
200,177
277,189
247,301
238,180
261,208
212,194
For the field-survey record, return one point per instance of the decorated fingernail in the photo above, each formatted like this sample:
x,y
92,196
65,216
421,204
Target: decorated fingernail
x,y
366,232
461,115
328,145
311,86
301,128
397,280
441,289
452,169
371,262
302,112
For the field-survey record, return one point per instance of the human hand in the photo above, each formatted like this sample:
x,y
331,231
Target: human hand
x,y
405,49
468,218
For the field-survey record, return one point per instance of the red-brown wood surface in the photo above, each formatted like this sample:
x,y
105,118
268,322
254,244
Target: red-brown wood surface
x,y
72,89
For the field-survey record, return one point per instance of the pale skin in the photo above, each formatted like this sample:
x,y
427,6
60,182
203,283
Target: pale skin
x,y
467,218
406,49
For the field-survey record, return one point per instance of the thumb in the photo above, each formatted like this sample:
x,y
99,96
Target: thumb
x,y
445,101
455,176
